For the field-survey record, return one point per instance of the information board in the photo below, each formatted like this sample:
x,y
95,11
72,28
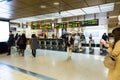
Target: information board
x,y
94,22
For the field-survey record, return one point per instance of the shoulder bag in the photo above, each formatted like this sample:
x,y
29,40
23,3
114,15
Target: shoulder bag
x,y
110,61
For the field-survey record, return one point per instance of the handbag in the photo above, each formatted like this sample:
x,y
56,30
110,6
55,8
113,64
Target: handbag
x,y
110,61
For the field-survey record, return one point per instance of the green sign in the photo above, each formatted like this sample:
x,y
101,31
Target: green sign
x,y
60,25
57,25
69,25
46,26
94,22
76,24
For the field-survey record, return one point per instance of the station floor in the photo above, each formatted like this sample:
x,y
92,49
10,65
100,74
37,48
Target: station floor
x,y
52,65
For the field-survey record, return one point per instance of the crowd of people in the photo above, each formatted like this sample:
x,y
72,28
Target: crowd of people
x,y
71,42
20,41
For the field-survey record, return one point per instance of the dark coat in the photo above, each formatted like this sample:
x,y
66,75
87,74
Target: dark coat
x,y
69,43
34,43
105,37
11,40
23,45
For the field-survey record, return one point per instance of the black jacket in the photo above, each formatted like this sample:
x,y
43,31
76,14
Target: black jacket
x,y
11,40
69,43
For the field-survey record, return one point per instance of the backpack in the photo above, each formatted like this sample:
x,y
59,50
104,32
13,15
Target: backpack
x,y
20,41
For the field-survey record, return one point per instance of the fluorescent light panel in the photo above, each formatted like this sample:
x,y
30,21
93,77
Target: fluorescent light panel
x,y
90,10
76,12
119,18
107,7
82,11
65,14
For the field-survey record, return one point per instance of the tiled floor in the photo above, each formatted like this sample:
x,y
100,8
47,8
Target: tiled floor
x,y
53,65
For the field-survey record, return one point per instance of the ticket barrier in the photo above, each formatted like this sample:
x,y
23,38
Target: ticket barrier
x,y
82,47
91,46
48,46
103,50
42,44
52,44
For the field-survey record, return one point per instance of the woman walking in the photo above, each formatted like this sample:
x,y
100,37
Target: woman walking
x,y
22,43
34,44
70,42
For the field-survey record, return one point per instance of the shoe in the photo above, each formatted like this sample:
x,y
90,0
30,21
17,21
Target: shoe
x,y
23,54
33,55
8,54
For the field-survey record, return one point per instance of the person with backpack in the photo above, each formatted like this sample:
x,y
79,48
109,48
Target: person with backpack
x,y
34,44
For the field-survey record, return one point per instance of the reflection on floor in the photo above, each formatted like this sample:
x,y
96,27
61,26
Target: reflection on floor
x,y
53,65
41,77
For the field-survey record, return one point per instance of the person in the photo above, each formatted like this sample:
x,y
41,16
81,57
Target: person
x,y
82,40
22,43
34,44
105,37
16,36
10,42
82,37
17,43
114,49
90,40
76,41
53,36
64,39
69,45
90,37
104,43
45,36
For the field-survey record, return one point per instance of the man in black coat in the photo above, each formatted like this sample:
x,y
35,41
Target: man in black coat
x,y
10,42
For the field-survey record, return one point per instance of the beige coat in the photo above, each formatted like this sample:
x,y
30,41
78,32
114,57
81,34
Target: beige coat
x,y
114,74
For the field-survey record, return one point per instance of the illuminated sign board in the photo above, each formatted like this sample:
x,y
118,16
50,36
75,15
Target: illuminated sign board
x,y
76,24
60,25
46,26
94,22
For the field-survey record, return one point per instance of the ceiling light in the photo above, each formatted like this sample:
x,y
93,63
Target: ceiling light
x,y
76,12
56,3
42,6
90,10
107,7
65,14
113,16
119,18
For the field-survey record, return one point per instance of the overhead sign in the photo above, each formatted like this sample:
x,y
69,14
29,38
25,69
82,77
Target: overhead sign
x,y
46,26
94,22
60,25
76,24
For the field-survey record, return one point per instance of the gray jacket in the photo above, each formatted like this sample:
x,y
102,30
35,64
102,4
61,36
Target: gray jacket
x,y
34,43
